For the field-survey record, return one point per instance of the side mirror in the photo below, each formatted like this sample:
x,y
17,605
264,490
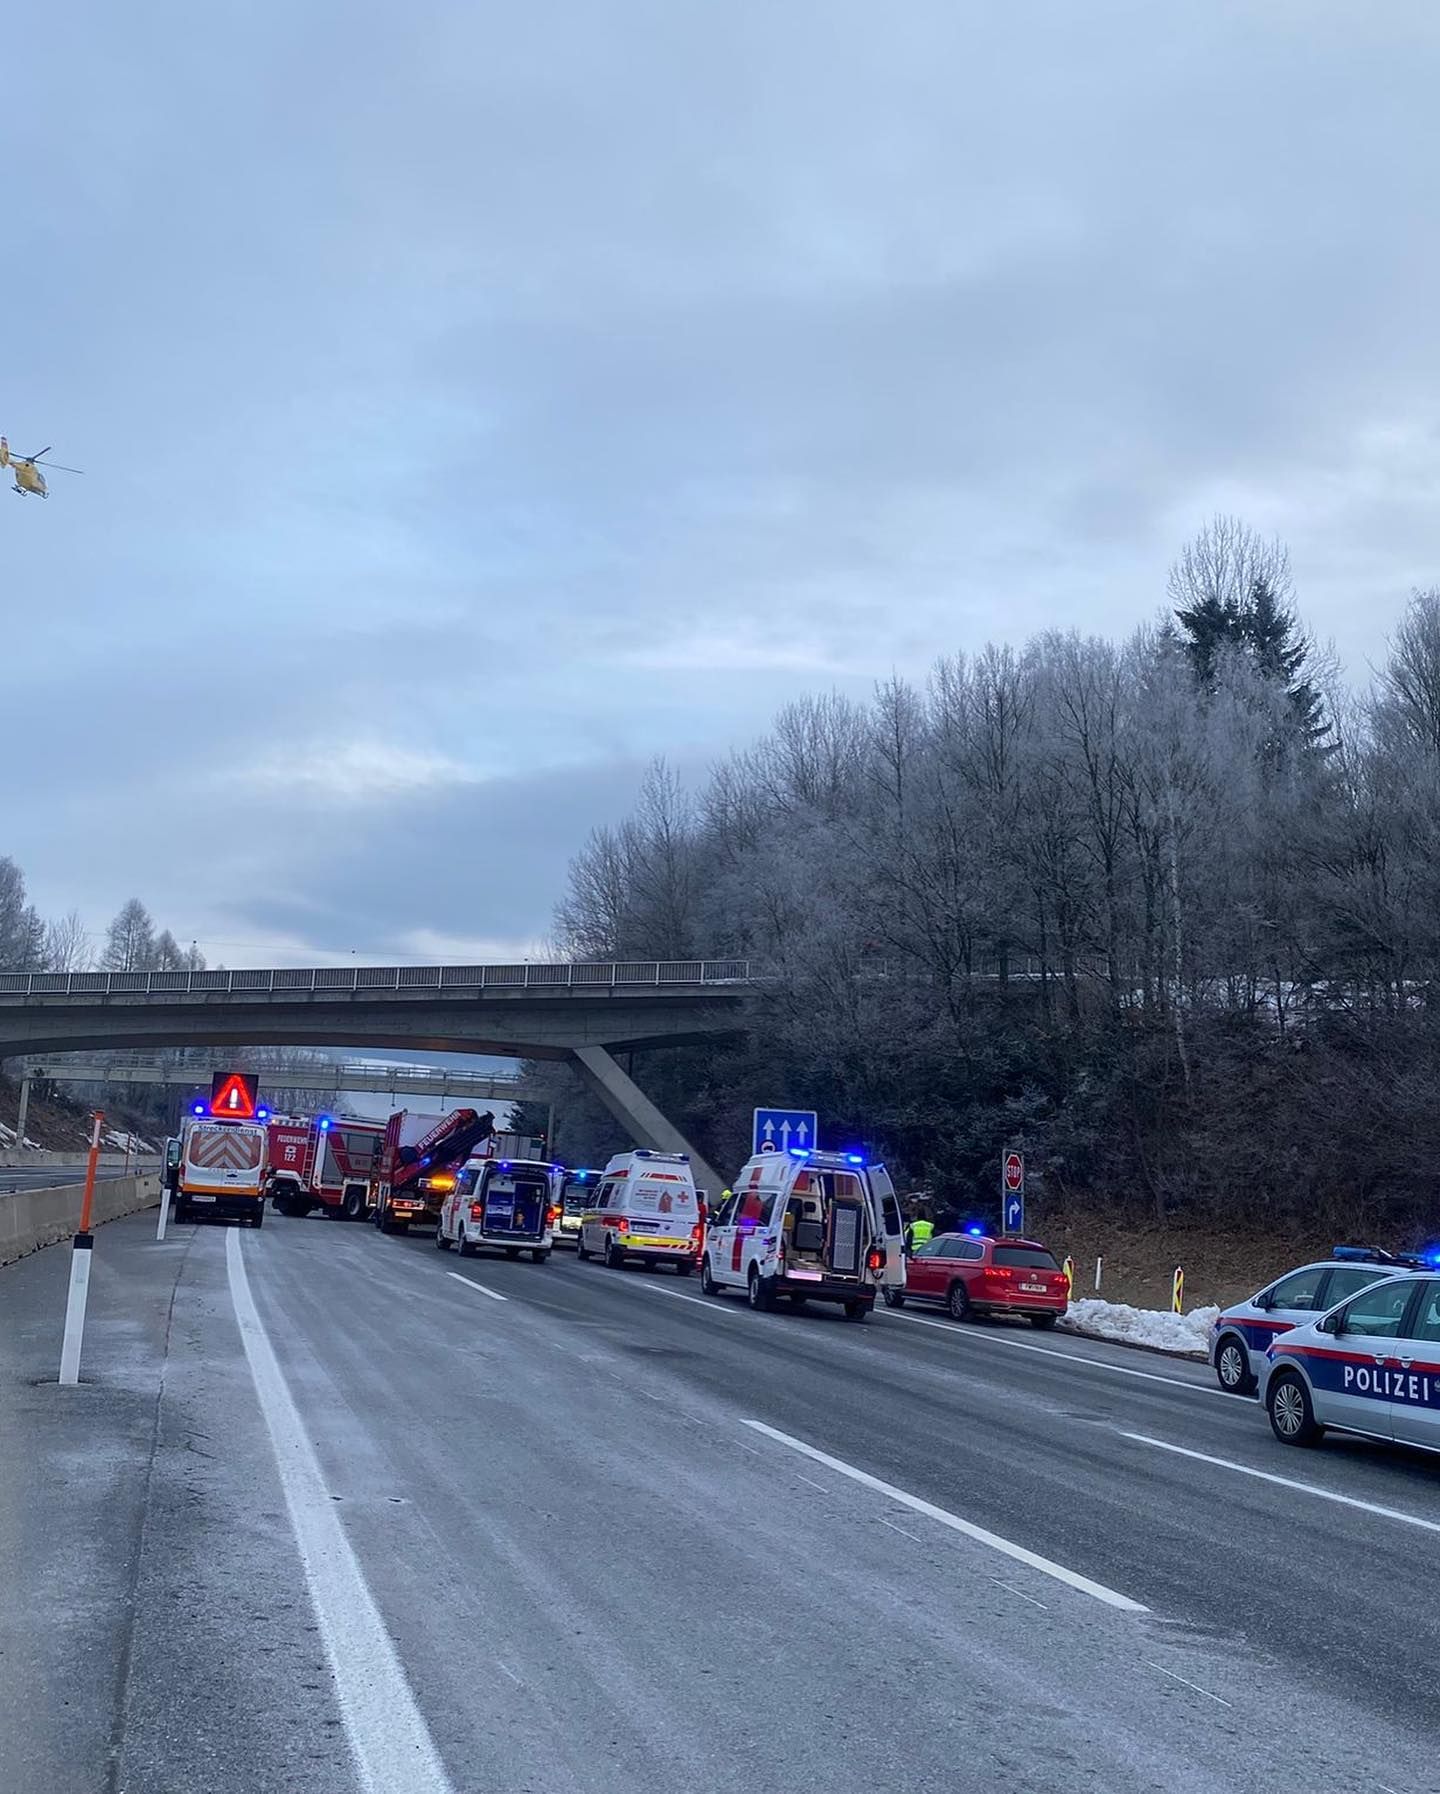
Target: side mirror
x,y
1265,1299
1332,1323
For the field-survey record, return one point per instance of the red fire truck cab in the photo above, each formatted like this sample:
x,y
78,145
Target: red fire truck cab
x,y
324,1162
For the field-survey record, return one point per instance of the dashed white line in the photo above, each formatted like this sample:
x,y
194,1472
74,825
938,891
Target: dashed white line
x,y
391,1744
1000,1582
1286,1482
1188,1684
494,1295
914,1536
981,1535
678,1295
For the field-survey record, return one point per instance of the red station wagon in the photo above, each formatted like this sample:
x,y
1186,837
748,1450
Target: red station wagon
x,y
971,1274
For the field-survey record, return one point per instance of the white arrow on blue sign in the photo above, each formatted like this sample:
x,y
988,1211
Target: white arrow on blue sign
x,y
1014,1214
777,1130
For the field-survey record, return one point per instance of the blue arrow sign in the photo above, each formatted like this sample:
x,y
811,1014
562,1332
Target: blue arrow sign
x,y
1014,1214
778,1130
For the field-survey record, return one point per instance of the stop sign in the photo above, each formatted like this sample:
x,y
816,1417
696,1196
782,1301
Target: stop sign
x,y
1014,1173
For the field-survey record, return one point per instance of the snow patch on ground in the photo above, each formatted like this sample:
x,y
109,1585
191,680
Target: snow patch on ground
x,y
7,1138
1153,1327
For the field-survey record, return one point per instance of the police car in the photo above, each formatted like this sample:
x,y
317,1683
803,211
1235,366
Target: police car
x,y
1245,1331
1370,1366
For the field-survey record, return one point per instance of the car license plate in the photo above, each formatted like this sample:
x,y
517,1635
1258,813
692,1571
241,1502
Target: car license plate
x,y
199,1198
1033,1289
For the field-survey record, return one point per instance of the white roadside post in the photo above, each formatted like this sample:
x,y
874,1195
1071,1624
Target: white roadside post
x,y
80,1256
1099,1267
164,1206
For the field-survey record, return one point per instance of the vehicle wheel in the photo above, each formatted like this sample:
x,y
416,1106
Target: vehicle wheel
x,y
466,1248
614,1257
1232,1366
857,1311
1292,1414
440,1240
707,1281
582,1251
352,1208
1043,1321
539,1255
894,1298
958,1303
684,1267
258,1218
760,1297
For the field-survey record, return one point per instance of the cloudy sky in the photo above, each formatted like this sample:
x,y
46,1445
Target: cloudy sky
x,y
477,399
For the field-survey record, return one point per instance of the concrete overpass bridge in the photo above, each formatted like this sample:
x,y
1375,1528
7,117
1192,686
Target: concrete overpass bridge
x,y
580,1013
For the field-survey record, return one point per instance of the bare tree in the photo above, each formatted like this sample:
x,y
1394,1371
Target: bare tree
x,y
22,933
67,944
130,940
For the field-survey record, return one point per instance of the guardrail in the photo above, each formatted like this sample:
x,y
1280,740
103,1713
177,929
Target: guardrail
x,y
660,974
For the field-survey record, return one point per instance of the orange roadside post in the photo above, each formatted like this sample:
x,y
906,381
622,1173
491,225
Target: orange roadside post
x,y
80,1256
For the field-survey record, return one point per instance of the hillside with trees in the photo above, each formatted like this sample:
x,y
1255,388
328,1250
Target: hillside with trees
x,y
1167,912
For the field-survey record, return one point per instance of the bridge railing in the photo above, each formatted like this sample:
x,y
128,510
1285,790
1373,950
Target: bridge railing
x,y
678,974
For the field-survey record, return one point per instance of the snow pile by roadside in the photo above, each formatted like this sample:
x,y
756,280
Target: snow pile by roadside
x,y
1153,1327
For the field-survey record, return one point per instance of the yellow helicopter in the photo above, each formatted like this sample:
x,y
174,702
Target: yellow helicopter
x,y
28,477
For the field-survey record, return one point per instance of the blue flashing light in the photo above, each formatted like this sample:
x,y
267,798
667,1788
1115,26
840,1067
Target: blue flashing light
x,y
854,1158
199,1109
799,1152
1432,1258
504,1164
325,1124
976,1233
262,1114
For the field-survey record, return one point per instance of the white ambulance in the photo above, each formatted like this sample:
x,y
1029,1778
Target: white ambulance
x,y
810,1226
646,1207
503,1205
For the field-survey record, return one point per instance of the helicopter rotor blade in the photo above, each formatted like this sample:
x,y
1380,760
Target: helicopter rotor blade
x,y
44,451
55,467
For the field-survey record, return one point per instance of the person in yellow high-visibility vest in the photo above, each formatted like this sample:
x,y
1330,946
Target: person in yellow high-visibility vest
x,y
919,1232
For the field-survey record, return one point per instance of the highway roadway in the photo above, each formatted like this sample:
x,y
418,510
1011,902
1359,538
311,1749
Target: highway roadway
x,y
339,1512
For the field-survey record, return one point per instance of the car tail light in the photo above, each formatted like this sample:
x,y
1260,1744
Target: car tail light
x,y
477,1211
697,1236
552,1215
876,1259
999,1273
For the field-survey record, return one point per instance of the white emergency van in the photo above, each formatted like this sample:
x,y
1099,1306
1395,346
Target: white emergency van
x,y
507,1205
810,1226
647,1208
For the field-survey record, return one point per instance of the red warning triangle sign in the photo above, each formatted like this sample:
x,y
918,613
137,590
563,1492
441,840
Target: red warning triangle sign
x,y
232,1096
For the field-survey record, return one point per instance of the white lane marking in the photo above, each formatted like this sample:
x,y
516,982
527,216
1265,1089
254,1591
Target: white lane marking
x,y
1047,1566
812,1482
392,1747
1287,1482
1021,1345
494,1295
1000,1582
1195,1685
677,1295
913,1536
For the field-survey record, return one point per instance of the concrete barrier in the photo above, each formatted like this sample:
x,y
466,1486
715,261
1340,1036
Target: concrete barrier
x,y
30,1219
30,1155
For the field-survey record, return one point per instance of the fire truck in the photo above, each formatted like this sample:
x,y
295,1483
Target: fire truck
x,y
323,1162
416,1166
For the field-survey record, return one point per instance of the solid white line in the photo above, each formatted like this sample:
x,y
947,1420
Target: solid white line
x,y
393,1750
494,1295
1287,1482
1071,1578
1022,1345
1188,1684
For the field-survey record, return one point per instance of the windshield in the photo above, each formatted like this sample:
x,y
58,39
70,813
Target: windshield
x,y
1029,1258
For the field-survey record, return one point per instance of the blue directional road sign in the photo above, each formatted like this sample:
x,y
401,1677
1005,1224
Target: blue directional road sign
x,y
777,1130
1014,1214
1012,1192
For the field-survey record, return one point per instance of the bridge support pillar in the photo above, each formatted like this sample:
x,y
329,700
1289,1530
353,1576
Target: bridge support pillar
x,y
24,1107
630,1106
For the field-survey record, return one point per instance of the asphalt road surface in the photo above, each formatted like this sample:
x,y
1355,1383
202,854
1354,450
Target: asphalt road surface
x,y
337,1512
